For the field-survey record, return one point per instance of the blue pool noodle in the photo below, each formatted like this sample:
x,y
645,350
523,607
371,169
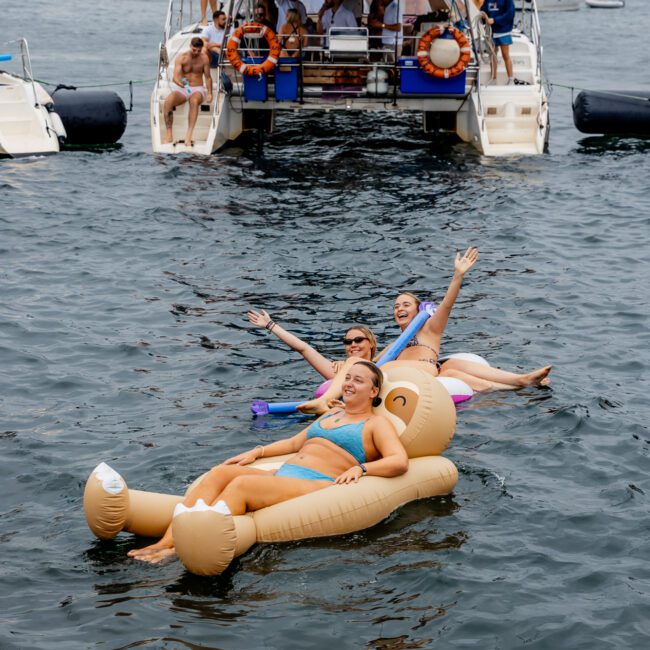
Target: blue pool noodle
x,y
259,407
5,57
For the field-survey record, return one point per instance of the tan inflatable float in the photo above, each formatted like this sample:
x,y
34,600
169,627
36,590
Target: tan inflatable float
x,y
207,540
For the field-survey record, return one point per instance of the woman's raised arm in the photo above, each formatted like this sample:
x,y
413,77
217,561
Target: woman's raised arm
x,y
437,323
312,356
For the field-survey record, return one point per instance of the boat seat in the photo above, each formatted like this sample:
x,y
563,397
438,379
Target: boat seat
x,y
348,42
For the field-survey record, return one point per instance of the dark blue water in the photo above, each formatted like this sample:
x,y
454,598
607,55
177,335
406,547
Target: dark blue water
x,y
124,283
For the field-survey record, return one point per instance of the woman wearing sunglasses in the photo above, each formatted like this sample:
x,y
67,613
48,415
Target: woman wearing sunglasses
x,y
359,342
422,351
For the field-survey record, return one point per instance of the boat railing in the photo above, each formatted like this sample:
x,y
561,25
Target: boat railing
x,y
179,14
341,49
319,53
528,24
26,63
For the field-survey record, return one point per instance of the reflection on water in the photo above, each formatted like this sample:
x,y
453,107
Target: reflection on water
x,y
610,144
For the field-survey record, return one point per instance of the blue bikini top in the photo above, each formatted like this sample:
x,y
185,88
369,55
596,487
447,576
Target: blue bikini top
x,y
346,436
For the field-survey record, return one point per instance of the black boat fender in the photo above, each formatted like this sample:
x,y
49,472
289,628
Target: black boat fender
x,y
90,116
621,112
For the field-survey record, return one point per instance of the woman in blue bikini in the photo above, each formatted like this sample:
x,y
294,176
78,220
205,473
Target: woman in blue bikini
x,y
341,447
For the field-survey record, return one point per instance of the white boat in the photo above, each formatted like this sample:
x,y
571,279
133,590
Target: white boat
x,y
551,5
28,124
605,4
342,74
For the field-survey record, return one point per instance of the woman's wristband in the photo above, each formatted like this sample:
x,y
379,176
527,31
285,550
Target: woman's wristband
x,y
270,325
261,447
364,469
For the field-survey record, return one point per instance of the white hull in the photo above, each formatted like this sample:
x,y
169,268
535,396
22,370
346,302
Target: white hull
x,y
605,4
27,127
556,5
497,119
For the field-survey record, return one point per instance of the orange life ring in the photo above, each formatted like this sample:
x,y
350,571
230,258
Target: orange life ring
x,y
253,69
424,45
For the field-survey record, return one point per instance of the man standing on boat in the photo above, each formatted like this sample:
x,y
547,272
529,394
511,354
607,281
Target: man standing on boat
x,y
334,14
392,34
190,69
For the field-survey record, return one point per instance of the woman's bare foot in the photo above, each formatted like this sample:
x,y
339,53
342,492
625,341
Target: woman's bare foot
x,y
158,556
153,549
538,377
314,407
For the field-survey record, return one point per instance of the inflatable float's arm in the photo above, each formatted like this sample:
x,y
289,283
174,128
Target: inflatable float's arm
x,y
438,322
312,356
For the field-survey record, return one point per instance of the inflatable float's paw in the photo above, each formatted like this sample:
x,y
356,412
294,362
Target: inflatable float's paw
x,y
106,502
205,537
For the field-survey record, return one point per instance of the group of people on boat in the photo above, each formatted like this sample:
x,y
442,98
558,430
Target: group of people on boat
x,y
192,81
349,440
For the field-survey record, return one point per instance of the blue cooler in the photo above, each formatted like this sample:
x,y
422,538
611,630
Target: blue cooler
x,y
286,79
414,81
255,88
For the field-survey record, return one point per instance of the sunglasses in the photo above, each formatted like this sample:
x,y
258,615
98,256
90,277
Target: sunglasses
x,y
356,339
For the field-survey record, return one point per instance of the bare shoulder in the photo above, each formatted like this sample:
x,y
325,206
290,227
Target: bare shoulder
x,y
381,423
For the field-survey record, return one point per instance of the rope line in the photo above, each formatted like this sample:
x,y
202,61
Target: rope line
x,y
115,83
603,92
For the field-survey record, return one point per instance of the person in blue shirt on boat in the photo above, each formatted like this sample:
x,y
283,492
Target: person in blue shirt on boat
x,y
500,14
349,442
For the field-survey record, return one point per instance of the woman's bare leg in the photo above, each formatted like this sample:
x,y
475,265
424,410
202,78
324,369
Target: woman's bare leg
x,y
204,7
319,405
476,383
250,492
210,487
537,377
246,492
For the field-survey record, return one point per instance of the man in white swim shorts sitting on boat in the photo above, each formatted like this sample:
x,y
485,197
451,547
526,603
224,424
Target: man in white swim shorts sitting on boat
x,y
187,84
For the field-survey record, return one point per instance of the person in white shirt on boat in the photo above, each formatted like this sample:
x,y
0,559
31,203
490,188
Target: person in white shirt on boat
x,y
385,20
392,35
284,6
187,85
334,14
213,36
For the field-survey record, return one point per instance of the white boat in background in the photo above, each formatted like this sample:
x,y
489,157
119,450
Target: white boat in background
x,y
346,73
552,5
605,4
28,124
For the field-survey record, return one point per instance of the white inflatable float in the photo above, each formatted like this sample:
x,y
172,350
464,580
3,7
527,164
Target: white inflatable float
x,y
207,540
